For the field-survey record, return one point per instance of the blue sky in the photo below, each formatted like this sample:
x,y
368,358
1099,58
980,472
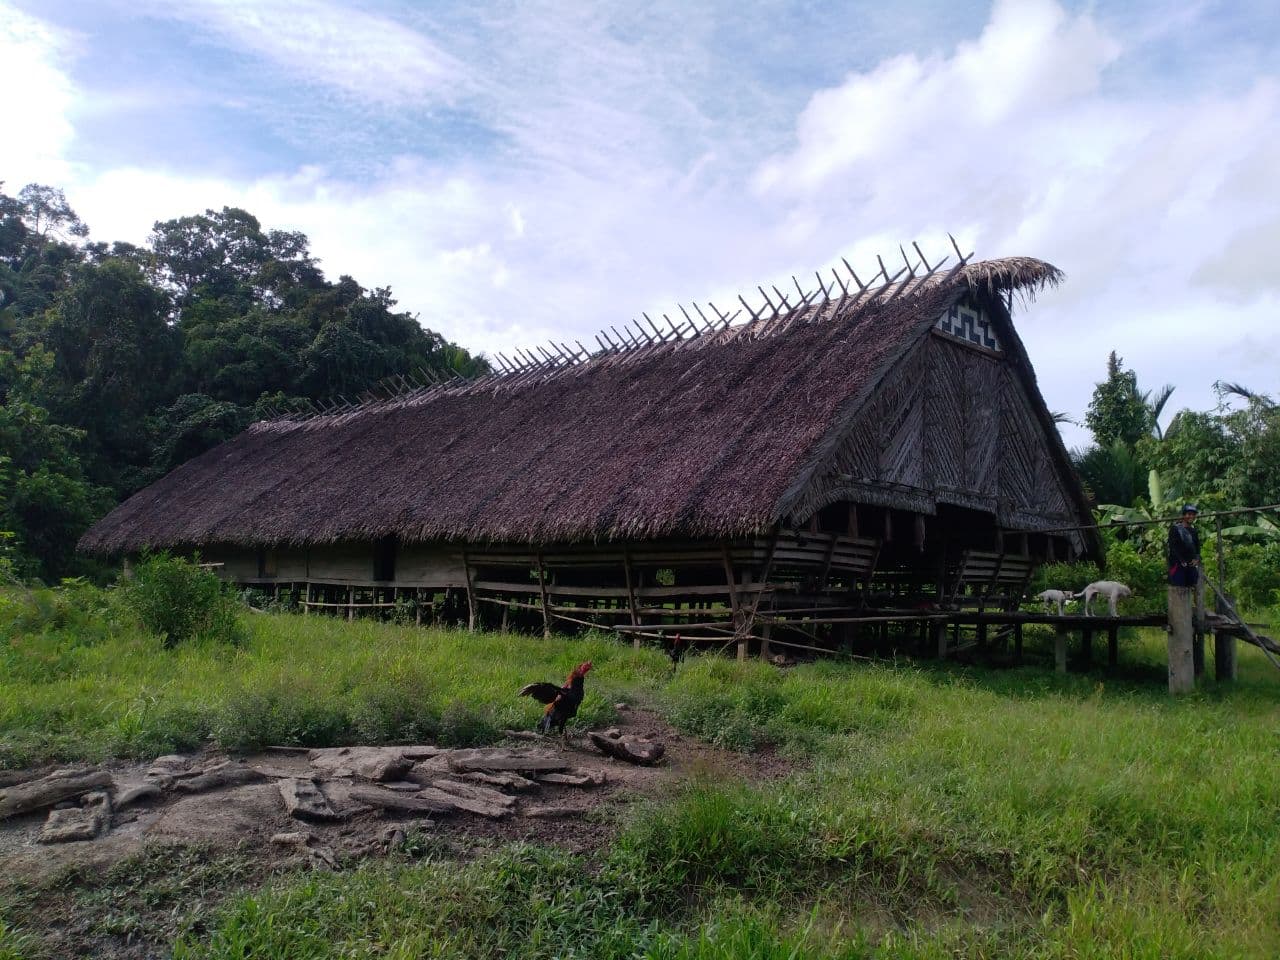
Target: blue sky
x,y
517,171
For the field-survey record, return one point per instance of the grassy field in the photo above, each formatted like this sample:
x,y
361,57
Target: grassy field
x,y
934,811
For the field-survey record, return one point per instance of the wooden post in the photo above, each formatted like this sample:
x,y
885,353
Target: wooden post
x,y
731,581
765,633
306,607
1181,669
1017,643
1113,646
631,597
1224,656
351,604
471,597
1086,647
546,603
1060,649
1197,646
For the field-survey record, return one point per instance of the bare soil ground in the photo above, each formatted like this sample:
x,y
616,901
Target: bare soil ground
x,y
127,893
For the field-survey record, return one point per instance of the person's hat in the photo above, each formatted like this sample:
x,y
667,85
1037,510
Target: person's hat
x,y
1190,508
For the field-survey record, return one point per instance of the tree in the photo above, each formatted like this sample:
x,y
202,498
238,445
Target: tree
x,y
46,500
47,214
115,357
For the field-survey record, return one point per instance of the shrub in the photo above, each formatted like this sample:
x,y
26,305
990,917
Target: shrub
x,y
1253,575
1142,572
179,601
1064,576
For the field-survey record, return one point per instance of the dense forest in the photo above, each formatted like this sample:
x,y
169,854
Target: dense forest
x,y
119,362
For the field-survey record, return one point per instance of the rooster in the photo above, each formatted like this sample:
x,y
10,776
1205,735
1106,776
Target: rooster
x,y
562,702
677,647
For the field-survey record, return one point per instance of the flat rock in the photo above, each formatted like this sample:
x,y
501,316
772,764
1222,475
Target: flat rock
x,y
553,813
422,752
368,763
573,779
222,775
51,789
137,793
424,771
641,752
505,781
85,822
395,800
75,823
292,838
465,761
466,804
305,801
474,792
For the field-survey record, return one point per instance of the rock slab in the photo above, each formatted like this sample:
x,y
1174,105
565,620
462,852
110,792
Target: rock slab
x,y
50,790
305,801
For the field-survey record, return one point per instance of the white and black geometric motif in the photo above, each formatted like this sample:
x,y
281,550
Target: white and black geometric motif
x,y
966,323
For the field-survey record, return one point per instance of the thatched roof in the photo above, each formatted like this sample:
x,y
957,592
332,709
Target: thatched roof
x,y
699,435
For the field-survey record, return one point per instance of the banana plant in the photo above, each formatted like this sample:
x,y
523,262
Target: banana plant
x,y
1261,529
1144,515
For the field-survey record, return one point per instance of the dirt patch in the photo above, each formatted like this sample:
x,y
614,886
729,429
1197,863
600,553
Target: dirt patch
x,y
69,894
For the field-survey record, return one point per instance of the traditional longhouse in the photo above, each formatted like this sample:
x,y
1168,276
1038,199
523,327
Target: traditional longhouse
x,y
788,472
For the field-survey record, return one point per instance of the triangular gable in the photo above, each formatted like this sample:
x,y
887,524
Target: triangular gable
x,y
952,422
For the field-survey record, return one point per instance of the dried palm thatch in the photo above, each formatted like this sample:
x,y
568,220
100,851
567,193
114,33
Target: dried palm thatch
x,y
691,435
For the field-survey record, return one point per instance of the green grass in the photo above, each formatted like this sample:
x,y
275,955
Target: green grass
x,y
934,811
295,680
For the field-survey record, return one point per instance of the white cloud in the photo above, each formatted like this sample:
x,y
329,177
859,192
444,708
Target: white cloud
x,y
621,194
372,57
35,126
1014,143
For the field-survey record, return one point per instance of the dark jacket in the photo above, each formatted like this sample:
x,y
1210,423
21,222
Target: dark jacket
x,y
1184,545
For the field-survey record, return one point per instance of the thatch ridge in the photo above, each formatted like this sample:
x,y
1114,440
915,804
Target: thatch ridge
x,y
700,434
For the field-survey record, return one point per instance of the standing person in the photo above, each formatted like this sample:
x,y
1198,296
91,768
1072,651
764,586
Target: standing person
x,y
1184,550
1184,580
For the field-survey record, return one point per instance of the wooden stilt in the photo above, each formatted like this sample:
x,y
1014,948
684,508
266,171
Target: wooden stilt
x,y
1060,649
546,604
351,604
1113,646
1017,643
1224,657
631,595
306,607
766,633
471,596
1086,647
1198,631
